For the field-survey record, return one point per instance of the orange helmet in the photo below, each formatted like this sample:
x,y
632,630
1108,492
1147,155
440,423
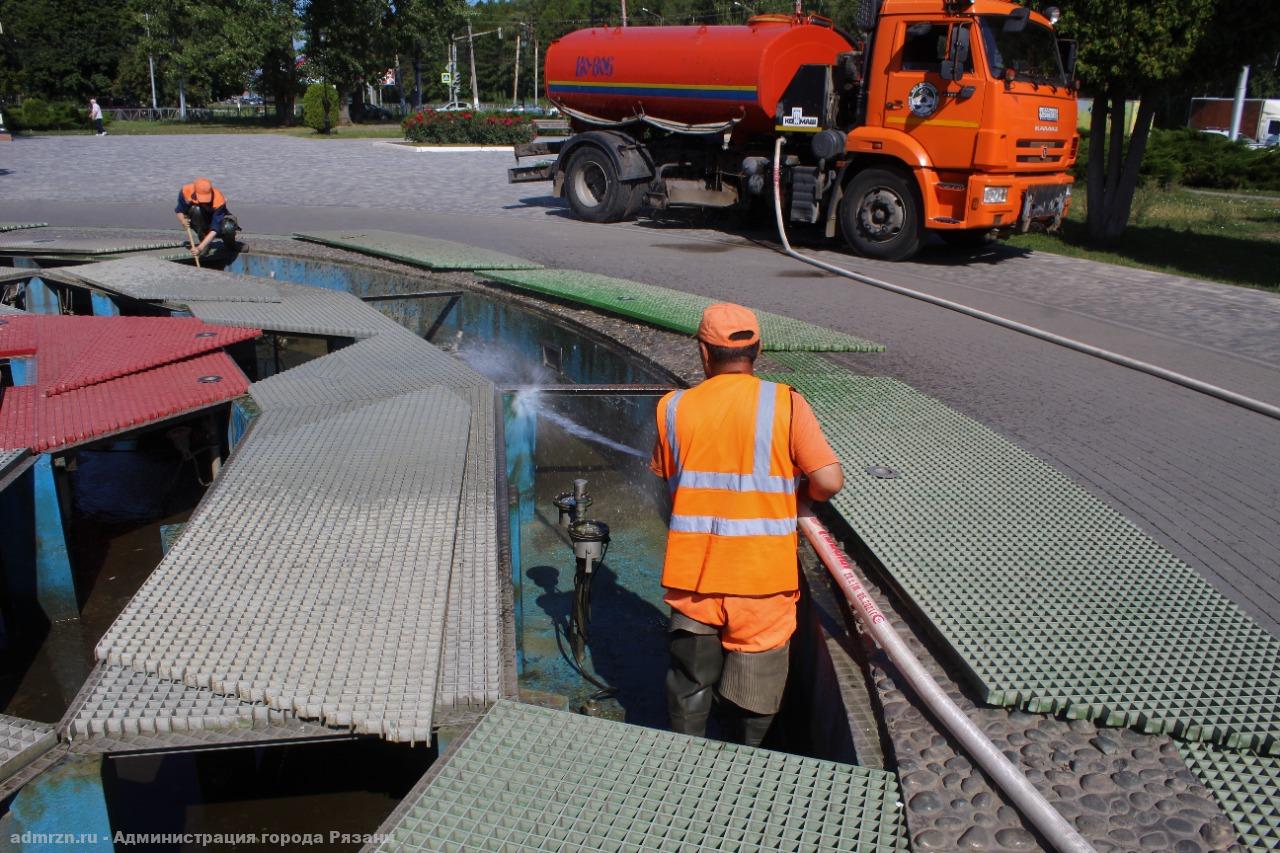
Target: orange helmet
x,y
202,190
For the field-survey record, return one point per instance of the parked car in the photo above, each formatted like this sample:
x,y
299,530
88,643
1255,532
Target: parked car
x,y
372,113
455,107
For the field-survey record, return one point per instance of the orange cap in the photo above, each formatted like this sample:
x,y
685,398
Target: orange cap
x,y
203,190
723,320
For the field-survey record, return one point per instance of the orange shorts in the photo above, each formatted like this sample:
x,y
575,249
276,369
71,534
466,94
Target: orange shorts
x,y
747,623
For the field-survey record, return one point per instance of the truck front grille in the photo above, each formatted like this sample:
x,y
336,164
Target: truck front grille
x,y
1045,150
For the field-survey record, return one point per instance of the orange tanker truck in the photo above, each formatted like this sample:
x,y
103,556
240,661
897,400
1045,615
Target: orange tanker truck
x,y
952,117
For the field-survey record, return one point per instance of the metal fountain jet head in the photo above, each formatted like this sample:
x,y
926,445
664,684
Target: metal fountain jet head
x,y
572,504
589,538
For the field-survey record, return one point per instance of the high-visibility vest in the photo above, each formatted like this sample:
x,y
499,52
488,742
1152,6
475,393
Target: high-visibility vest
x,y
733,487
189,194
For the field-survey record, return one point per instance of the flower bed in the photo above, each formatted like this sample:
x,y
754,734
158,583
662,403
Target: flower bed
x,y
468,128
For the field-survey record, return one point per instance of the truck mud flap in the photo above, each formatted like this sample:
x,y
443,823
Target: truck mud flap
x,y
530,174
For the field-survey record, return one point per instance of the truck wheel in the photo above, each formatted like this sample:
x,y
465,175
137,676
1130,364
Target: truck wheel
x,y
593,189
880,216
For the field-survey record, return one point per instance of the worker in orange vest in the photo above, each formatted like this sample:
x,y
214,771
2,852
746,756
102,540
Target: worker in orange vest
x,y
203,209
735,452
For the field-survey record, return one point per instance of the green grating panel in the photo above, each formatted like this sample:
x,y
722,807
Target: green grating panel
x,y
530,778
803,362
673,309
18,226
418,251
1053,600
1247,786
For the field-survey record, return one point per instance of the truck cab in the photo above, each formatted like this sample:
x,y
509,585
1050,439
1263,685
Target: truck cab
x,y
972,106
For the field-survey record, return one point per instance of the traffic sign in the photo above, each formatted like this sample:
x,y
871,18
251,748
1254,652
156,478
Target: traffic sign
x,y
446,78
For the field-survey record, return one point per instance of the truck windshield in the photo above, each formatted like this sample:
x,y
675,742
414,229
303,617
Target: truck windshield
x,y
1031,52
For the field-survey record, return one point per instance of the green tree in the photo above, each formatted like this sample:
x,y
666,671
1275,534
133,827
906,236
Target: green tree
x,y
421,29
60,49
278,74
1131,51
320,107
347,43
203,50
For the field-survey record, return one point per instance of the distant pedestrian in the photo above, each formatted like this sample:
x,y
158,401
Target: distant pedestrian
x,y
95,116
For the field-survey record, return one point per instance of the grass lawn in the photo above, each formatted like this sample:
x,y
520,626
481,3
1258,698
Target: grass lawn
x,y
1230,238
161,128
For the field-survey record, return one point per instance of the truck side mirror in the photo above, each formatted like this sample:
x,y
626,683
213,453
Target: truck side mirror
x,y
1067,51
953,67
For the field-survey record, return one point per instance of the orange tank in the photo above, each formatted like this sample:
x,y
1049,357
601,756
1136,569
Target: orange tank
x,y
689,75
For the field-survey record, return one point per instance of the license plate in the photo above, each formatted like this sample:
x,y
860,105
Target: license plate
x,y
1048,113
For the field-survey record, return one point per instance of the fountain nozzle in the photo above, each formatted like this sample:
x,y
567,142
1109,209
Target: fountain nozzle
x,y
572,504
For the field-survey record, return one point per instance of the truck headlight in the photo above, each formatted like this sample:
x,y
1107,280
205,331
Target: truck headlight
x,y
995,195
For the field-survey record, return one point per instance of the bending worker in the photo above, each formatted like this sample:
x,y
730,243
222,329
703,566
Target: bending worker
x,y
203,209
732,451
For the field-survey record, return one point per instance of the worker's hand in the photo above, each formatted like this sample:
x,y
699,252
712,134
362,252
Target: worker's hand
x,y
196,251
186,220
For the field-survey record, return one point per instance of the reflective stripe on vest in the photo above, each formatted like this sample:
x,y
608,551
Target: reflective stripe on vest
x,y
759,480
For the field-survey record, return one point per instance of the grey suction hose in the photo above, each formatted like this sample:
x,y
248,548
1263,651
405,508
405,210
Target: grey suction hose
x,y
1232,397
1052,825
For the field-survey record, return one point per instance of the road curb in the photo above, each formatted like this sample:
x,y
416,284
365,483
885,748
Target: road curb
x,y
448,149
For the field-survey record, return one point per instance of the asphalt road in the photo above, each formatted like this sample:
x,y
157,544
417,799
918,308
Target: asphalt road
x,y
1198,474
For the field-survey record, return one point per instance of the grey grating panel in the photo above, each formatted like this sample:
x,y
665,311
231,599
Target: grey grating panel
x,y
472,664
18,226
390,363
150,279
57,242
10,459
45,761
302,310
534,779
1053,600
21,742
1247,786
120,708
418,251
399,362
315,577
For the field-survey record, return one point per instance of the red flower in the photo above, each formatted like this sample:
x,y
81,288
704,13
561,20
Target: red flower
x,y
466,115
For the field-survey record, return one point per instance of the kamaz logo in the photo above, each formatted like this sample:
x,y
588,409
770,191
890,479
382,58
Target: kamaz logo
x,y
593,66
799,119
1048,113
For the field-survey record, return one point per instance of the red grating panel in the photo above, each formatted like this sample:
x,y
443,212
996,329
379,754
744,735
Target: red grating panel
x,y
75,352
28,419
17,336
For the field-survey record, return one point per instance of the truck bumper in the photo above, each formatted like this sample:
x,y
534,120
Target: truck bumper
x,y
1002,202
